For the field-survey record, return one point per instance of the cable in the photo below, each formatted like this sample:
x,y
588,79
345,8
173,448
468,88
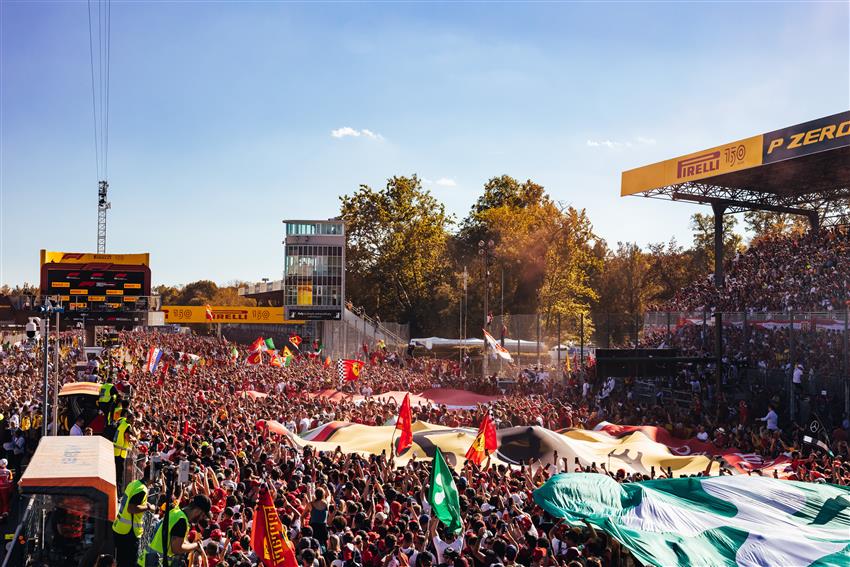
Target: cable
x,y
108,51
93,105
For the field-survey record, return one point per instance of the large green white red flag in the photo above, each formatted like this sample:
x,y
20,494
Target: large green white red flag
x,y
742,521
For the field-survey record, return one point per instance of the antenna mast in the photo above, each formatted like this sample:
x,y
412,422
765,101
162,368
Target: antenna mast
x,y
102,206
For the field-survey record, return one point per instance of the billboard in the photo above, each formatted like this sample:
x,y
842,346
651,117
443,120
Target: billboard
x,y
811,137
226,314
97,281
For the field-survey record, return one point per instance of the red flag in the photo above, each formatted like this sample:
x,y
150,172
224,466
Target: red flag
x,y
295,339
257,345
404,424
327,362
254,358
269,539
209,312
484,443
349,370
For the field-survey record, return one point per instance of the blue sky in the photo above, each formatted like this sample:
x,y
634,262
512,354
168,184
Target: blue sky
x,y
222,115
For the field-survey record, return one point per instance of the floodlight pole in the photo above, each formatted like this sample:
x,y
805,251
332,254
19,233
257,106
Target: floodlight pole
x,y
718,209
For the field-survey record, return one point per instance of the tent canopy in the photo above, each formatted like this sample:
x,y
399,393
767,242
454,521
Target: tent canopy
x,y
431,343
79,465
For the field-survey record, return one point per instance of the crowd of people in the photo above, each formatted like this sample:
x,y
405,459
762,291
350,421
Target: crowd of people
x,y
804,273
349,510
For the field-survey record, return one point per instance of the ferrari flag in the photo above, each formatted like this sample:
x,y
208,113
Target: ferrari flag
x,y
349,370
702,521
485,442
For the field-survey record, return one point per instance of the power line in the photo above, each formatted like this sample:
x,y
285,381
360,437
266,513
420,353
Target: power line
x,y
93,105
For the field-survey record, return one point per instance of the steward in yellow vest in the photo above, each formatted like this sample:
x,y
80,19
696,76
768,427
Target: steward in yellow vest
x,y
178,528
129,522
121,443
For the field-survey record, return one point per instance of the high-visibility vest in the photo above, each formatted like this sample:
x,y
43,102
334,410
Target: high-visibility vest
x,y
120,443
105,393
125,520
155,546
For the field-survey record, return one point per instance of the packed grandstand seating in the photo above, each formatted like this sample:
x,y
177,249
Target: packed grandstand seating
x,y
807,273
342,509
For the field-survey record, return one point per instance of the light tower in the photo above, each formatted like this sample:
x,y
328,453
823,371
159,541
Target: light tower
x,y
102,206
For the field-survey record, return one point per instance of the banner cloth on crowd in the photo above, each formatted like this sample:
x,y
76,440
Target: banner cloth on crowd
x,y
632,449
693,522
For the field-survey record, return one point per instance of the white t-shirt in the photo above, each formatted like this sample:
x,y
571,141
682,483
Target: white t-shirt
x,y
442,546
76,430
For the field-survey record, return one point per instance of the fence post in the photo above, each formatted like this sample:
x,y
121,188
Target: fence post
x,y
846,364
558,348
538,341
791,362
581,339
608,330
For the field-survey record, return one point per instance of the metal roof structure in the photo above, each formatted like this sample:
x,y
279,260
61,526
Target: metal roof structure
x,y
803,169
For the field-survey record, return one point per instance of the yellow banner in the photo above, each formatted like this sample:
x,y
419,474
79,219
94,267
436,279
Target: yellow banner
x,y
227,314
61,284
79,292
727,158
97,298
49,257
132,286
114,292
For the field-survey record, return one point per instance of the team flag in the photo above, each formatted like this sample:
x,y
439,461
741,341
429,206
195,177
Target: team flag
x,y
259,344
404,424
276,360
295,340
287,356
154,356
269,539
349,370
816,435
485,442
327,362
269,344
234,354
442,494
500,351
254,358
209,312
722,520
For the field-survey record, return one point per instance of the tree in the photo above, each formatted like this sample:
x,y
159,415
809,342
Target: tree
x,y
396,250
671,268
765,224
703,229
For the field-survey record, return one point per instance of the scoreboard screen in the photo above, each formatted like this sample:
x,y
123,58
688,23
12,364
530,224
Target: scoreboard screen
x,y
97,281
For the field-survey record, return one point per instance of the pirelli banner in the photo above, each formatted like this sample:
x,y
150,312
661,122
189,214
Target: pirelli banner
x,y
226,314
793,142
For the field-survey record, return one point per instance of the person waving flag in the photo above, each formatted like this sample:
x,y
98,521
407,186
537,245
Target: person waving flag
x,y
404,424
442,494
485,442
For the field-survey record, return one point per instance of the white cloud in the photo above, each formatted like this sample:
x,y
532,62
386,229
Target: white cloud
x,y
446,182
612,144
348,131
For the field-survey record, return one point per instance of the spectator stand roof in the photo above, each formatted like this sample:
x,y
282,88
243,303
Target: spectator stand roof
x,y
803,169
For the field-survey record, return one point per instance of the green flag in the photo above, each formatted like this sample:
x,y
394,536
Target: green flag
x,y
710,521
442,495
269,344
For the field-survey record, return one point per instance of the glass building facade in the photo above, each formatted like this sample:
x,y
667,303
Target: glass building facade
x,y
314,265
